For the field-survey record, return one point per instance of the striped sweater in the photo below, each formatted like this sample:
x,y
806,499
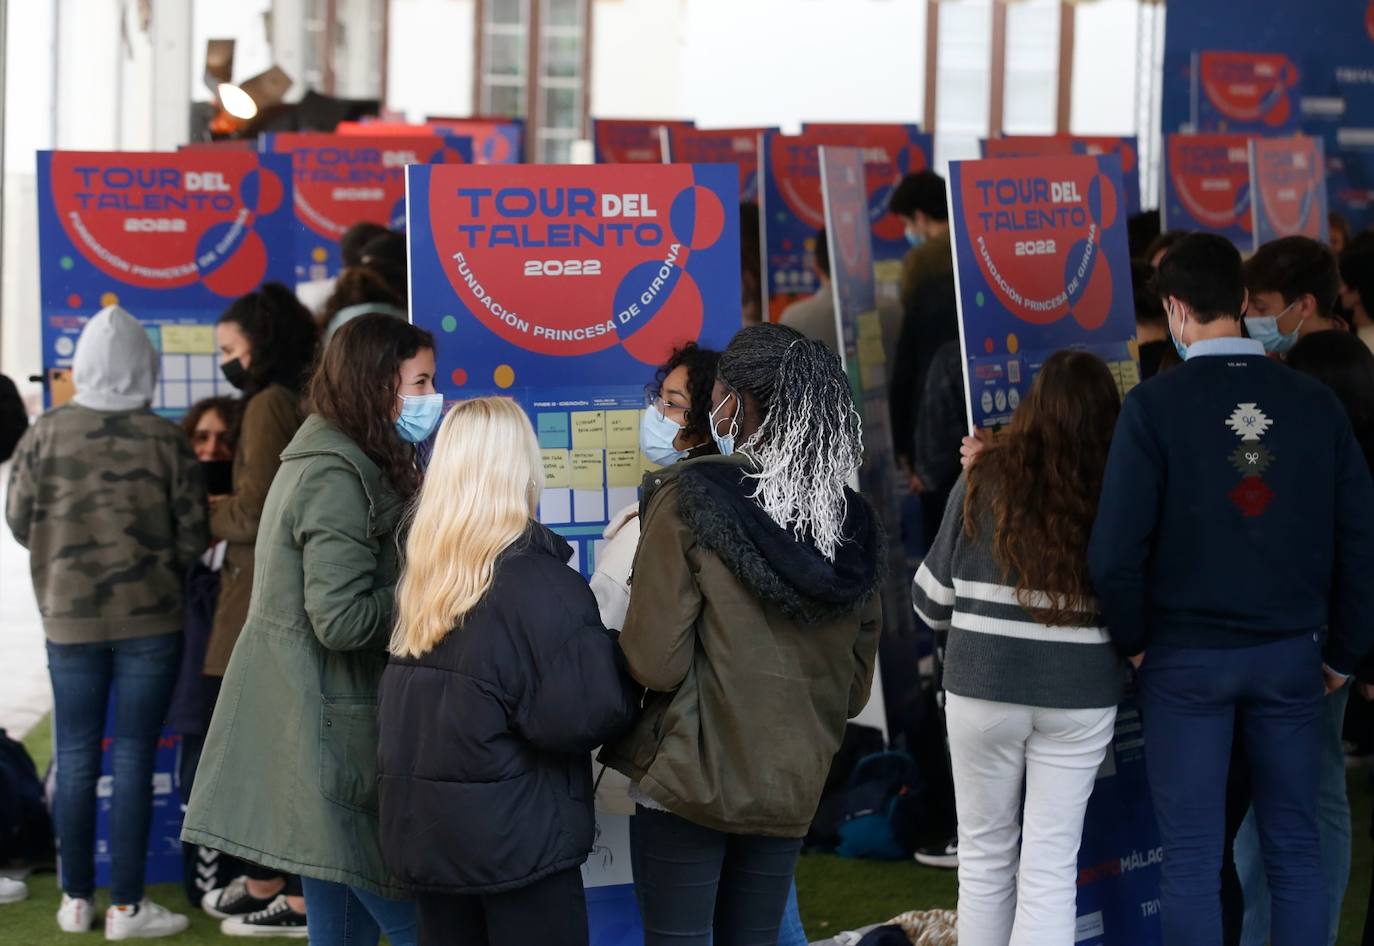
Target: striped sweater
x,y
996,650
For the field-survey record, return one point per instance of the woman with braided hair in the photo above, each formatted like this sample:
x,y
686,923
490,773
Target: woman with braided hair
x,y
753,623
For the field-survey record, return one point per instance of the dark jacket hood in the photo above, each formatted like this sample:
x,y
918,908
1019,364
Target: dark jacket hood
x,y
714,501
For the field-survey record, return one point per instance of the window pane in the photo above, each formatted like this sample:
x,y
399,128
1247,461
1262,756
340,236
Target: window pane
x,y
555,150
506,11
560,108
505,55
1030,105
562,57
505,100
562,12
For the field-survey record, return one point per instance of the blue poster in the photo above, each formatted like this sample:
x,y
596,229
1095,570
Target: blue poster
x,y
1288,188
1330,43
1041,263
1244,92
171,237
564,287
1207,187
844,189
1120,858
1029,146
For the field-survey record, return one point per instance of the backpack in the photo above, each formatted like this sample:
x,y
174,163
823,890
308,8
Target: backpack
x,y
879,811
25,826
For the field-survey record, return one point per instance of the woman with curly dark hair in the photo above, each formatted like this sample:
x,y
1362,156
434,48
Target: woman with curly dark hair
x,y
1031,677
289,773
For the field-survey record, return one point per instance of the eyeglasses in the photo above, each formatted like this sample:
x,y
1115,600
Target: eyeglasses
x,y
666,407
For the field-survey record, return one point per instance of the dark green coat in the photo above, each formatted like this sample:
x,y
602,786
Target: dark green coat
x,y
754,648
288,778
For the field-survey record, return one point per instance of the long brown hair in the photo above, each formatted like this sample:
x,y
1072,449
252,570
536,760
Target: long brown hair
x,y
355,390
1041,481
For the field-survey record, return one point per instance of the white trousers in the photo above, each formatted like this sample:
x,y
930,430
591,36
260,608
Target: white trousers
x,y
996,748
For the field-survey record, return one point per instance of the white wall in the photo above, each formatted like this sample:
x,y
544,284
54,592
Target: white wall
x,y
1104,68
750,62
430,64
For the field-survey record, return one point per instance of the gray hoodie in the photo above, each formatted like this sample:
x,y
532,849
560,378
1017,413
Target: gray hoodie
x,y
115,366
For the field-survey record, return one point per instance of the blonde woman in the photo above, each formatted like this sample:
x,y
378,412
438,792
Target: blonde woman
x,y
501,681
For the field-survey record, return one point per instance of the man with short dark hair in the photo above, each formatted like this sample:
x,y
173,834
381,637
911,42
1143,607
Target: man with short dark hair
x,y
1234,537
1293,284
920,200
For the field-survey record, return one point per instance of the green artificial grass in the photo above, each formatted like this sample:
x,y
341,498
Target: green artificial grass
x,y
835,893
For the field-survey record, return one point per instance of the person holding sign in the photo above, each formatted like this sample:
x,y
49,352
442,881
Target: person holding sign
x,y
494,698
1231,486
753,622
288,778
1032,682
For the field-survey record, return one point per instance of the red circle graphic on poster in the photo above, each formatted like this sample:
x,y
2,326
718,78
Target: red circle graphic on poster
x,y
1211,178
508,248
160,221
1037,233
1249,87
341,180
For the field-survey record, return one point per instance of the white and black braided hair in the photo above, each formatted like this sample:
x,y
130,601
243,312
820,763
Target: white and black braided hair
x,y
809,443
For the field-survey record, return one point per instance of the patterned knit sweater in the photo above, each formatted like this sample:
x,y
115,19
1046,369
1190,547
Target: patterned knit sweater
x,y
997,651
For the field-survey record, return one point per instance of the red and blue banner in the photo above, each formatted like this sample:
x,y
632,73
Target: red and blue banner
x,y
1207,186
1041,263
565,287
737,146
631,140
1030,146
173,237
792,208
1245,92
494,140
341,180
1288,188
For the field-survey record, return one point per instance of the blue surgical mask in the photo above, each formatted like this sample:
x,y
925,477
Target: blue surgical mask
x,y
1265,330
725,444
1178,339
420,416
914,236
656,436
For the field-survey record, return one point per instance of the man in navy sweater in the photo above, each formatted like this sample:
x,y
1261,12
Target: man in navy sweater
x,y
1231,554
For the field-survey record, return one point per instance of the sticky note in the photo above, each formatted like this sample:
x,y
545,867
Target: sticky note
x,y
589,430
556,472
622,467
622,429
553,430
587,470
188,339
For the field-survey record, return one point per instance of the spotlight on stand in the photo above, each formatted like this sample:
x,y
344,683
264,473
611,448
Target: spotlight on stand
x,y
240,104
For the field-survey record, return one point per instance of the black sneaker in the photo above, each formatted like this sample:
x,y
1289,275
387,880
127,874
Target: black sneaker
x,y
277,920
945,857
233,899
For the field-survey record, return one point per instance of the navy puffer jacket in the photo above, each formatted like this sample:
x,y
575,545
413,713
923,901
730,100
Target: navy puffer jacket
x,y
485,741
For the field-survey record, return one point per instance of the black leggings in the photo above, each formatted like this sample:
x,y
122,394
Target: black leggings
x,y
692,881
548,912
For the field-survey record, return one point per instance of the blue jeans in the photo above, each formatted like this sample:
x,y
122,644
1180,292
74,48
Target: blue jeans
x,y
692,881
1193,703
339,915
141,673
1333,821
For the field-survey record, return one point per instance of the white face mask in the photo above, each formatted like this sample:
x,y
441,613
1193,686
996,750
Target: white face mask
x,y
725,444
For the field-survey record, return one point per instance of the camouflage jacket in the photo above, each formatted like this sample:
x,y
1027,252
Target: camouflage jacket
x,y
111,507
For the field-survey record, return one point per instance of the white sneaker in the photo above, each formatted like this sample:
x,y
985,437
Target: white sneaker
x,y
149,921
75,916
12,891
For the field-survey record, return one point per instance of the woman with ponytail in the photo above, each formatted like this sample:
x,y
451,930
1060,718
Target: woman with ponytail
x,y
753,623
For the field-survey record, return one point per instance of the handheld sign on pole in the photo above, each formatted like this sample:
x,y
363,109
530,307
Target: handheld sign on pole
x,y
1041,263
171,237
341,180
1207,187
1288,188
